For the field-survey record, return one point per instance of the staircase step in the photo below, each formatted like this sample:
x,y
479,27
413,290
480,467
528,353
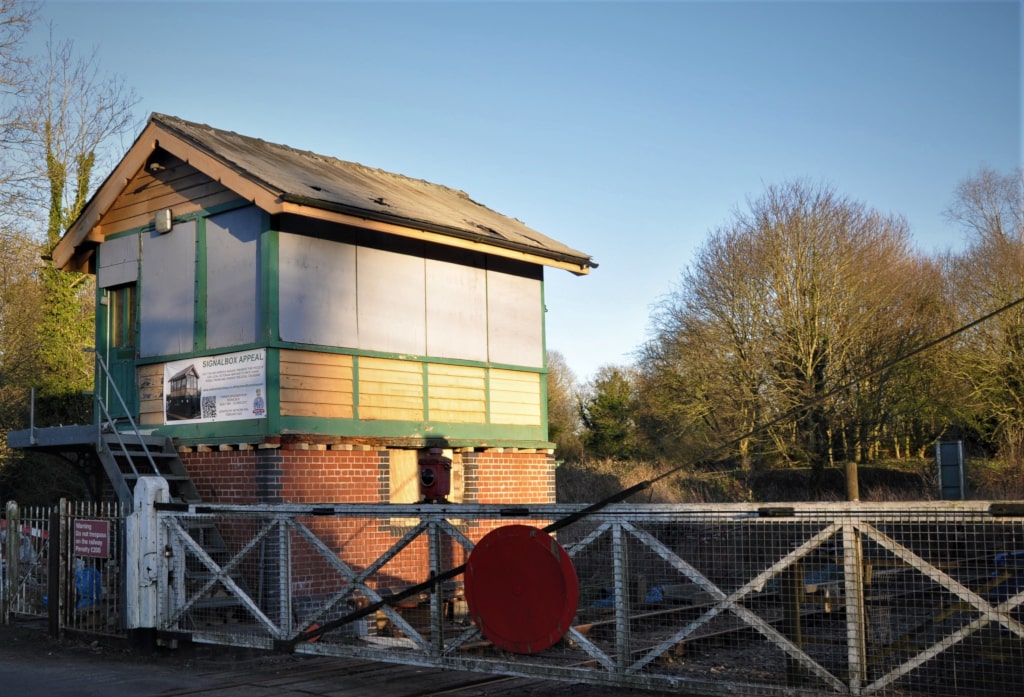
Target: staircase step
x,y
168,477
142,454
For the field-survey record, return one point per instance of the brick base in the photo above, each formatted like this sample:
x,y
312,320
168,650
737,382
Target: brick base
x,y
350,474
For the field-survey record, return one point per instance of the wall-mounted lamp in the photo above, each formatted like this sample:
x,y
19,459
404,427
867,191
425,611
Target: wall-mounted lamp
x,y
157,161
163,222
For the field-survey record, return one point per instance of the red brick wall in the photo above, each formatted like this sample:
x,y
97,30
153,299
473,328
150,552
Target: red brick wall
x,y
223,476
335,476
493,476
301,475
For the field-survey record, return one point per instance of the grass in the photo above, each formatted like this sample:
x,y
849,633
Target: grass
x,y
914,480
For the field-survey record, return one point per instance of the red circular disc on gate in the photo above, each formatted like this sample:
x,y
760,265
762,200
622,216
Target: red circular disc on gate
x,y
521,588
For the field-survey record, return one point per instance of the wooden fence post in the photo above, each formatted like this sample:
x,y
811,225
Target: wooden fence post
x,y
144,561
9,557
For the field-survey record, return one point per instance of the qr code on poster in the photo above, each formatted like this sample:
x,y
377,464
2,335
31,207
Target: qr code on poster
x,y
209,407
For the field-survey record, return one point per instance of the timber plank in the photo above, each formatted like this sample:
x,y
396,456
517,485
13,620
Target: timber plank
x,y
317,384
166,199
141,221
327,411
315,396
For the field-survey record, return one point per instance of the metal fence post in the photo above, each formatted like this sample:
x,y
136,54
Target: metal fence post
x,y
284,578
53,572
856,636
65,581
623,602
436,599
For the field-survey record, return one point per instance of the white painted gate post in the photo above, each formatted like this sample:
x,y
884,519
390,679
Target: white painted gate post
x,y
144,560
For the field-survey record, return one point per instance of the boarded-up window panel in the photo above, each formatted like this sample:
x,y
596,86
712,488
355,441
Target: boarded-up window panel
x,y
167,304
232,277
390,389
456,311
515,398
118,262
456,394
404,475
151,394
317,291
316,384
515,320
392,306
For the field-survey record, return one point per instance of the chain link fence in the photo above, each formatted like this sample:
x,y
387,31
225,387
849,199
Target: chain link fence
x,y
865,599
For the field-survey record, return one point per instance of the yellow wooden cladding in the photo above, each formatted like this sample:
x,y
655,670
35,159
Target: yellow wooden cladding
x,y
182,188
457,394
322,385
316,384
151,394
515,398
390,389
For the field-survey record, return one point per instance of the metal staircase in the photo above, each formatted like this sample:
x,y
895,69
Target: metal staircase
x,y
126,457
107,456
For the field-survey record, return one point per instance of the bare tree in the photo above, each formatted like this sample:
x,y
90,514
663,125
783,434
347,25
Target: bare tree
x,y
704,369
563,409
16,18
795,297
19,297
72,116
989,360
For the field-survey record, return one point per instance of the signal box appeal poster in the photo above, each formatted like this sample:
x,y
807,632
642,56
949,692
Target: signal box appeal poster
x,y
227,387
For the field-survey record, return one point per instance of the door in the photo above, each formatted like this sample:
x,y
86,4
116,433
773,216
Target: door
x,y
120,392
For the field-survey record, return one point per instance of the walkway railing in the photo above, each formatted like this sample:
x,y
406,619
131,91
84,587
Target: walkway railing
x,y
858,599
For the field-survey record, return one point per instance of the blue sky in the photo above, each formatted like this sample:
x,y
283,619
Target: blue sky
x,y
627,130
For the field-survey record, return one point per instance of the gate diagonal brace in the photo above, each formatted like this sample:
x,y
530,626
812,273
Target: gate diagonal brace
x,y
221,573
381,603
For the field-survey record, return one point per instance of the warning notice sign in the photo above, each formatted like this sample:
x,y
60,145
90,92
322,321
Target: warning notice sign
x,y
92,538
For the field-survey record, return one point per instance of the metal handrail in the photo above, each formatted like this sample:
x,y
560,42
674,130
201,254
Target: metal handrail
x,y
104,372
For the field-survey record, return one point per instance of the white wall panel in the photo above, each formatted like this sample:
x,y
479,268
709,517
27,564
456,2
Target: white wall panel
x,y
167,298
317,291
515,327
118,262
456,311
232,277
392,307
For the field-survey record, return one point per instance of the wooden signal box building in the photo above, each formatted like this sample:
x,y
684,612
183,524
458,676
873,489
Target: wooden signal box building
x,y
307,329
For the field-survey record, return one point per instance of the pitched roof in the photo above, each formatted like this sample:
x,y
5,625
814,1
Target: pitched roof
x,y
281,179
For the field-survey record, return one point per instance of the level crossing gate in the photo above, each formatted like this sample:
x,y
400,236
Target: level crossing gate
x,y
825,599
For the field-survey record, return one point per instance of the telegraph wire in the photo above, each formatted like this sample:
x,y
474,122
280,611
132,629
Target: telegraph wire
x,y
624,494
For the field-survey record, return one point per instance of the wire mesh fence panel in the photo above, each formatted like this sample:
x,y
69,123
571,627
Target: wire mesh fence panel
x,y
844,599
